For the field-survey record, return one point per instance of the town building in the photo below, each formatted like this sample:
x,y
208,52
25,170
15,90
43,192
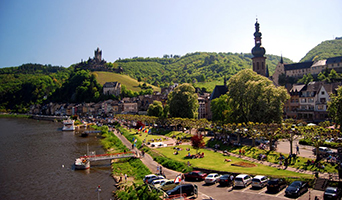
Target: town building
x,y
298,70
112,88
309,102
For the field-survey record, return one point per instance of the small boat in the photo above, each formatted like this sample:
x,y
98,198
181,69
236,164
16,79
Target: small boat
x,y
68,125
82,163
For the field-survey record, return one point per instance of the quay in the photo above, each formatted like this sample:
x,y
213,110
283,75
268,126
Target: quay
x,y
48,117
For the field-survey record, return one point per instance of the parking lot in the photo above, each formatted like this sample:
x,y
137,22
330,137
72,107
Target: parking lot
x,y
221,193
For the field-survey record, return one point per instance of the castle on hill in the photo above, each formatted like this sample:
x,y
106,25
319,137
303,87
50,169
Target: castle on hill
x,y
97,63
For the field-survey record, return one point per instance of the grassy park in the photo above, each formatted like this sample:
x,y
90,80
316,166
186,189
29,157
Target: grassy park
x,y
216,161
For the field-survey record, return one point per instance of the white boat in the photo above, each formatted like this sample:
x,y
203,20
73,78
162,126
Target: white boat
x,y
68,125
82,163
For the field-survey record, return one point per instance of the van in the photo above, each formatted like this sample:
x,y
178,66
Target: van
x,y
242,180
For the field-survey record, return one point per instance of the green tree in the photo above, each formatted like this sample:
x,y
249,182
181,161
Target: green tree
x,y
335,108
183,102
254,98
155,109
220,108
306,79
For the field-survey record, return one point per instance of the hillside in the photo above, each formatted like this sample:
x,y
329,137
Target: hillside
x,y
326,49
130,83
198,67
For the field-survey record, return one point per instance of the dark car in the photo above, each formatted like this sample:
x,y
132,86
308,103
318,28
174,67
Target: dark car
x,y
332,193
188,189
225,180
195,175
276,184
296,188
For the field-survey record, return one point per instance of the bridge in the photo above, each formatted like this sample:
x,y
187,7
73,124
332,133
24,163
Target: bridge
x,y
110,156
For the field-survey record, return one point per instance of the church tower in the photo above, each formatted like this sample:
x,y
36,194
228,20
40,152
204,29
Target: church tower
x,y
258,51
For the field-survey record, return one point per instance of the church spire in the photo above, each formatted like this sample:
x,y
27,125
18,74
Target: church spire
x,y
281,59
258,51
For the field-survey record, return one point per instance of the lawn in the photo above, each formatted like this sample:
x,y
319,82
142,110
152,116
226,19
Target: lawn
x,y
216,161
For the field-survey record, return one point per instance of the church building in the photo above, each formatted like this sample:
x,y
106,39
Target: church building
x,y
258,51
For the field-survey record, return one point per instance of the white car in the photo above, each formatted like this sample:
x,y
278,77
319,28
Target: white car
x,y
242,180
158,182
212,178
259,181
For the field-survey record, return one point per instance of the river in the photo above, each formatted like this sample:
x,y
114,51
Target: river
x,y
37,158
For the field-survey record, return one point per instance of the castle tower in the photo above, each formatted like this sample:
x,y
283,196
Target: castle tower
x,y
98,55
258,51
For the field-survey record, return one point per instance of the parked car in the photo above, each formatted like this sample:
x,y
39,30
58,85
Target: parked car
x,y
324,151
156,183
296,188
188,189
242,180
149,176
276,184
259,181
195,175
262,140
332,193
211,178
224,180
149,181
168,185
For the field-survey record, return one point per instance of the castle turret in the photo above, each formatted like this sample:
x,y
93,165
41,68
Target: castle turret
x,y
98,55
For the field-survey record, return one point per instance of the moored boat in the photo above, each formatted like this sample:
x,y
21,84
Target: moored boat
x,y
82,163
68,125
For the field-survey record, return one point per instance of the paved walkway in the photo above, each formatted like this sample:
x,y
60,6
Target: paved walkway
x,y
147,159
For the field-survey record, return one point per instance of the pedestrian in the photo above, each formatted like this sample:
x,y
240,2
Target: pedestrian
x,y
239,152
158,169
125,177
161,170
297,148
132,146
286,163
243,152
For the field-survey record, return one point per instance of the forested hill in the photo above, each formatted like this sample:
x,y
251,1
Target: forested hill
x,y
199,66
327,49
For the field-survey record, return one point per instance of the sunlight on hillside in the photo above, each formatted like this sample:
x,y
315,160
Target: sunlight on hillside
x,y
130,83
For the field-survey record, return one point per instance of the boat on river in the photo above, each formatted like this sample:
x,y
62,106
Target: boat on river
x,y
68,125
82,163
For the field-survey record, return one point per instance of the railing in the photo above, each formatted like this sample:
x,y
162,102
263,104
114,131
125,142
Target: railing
x,y
109,156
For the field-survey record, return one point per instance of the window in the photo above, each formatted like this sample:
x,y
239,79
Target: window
x,y
322,92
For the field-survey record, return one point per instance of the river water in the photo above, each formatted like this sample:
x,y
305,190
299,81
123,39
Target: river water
x,y
37,158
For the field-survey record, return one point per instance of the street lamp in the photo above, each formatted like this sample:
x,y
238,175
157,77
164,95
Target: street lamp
x,y
98,189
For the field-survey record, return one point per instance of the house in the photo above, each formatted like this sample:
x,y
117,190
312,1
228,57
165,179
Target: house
x,y
309,102
112,88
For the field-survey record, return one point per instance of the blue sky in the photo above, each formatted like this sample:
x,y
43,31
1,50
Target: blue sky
x,y
63,32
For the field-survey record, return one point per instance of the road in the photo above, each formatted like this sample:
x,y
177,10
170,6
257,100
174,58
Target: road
x,y
304,150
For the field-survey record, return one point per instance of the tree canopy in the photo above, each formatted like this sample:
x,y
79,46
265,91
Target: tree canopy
x,y
335,107
183,102
155,109
254,98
